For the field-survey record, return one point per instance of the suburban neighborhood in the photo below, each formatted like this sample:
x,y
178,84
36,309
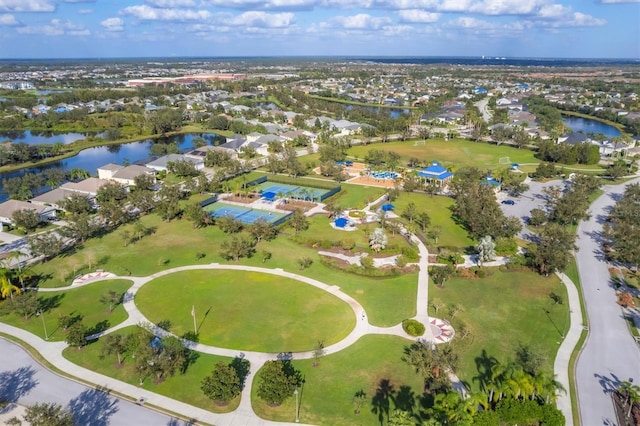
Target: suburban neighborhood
x,y
329,242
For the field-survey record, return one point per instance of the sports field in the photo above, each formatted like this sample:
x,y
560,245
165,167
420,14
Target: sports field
x,y
243,214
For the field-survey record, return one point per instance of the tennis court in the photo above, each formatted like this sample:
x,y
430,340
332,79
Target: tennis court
x,y
290,191
245,215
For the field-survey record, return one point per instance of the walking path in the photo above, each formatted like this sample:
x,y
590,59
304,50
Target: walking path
x,y
561,363
437,331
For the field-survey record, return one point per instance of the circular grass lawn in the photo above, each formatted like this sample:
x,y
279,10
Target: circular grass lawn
x,y
246,310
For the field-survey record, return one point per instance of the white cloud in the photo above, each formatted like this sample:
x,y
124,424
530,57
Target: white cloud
x,y
8,20
113,24
575,19
146,13
553,11
361,21
56,27
263,4
85,11
263,19
418,16
27,6
171,3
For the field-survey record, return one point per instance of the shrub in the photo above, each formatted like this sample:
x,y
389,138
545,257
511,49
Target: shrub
x,y
347,244
480,273
411,254
412,327
326,244
506,246
516,262
366,262
401,261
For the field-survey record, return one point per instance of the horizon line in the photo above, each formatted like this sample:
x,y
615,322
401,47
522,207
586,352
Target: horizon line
x,y
358,56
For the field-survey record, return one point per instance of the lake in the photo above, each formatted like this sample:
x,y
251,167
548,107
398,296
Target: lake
x,y
92,158
42,138
586,126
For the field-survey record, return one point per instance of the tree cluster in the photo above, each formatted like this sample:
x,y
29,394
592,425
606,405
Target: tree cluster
x,y
477,209
623,227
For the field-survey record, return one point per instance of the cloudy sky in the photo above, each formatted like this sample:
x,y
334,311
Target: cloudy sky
x,y
511,28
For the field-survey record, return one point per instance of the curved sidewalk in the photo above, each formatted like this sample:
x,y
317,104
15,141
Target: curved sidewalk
x,y
244,414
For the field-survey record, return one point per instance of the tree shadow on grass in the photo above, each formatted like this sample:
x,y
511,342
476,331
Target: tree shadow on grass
x,y
484,366
48,303
242,367
17,383
404,399
93,407
381,400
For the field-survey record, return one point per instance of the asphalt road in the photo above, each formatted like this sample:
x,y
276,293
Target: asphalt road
x,y
25,381
610,354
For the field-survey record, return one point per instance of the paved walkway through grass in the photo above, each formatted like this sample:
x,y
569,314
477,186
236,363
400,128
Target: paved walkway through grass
x,y
244,414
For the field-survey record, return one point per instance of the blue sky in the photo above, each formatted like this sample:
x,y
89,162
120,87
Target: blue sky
x,y
133,28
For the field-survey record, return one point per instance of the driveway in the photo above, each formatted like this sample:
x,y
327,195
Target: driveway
x,y
610,355
26,382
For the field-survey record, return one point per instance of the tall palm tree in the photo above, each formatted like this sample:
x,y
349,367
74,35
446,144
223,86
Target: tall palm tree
x,y
7,288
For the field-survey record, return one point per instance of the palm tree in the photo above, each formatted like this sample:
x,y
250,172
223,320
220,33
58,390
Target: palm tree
x,y
631,392
7,288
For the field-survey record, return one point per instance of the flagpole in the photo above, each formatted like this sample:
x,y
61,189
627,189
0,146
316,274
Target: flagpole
x,y
193,314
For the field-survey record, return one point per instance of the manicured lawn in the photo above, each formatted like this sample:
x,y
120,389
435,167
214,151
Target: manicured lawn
x,y
456,153
320,229
357,196
247,310
170,244
327,393
502,311
177,243
82,301
183,387
438,208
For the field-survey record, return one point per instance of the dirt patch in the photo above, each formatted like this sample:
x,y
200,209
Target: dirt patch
x,y
244,200
293,205
368,180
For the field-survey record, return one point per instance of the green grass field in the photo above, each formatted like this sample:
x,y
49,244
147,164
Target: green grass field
x,y
247,310
183,387
457,153
327,394
83,302
357,196
177,243
438,208
502,311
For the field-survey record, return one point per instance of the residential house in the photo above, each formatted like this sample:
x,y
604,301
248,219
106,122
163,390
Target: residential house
x,y
124,175
162,163
9,207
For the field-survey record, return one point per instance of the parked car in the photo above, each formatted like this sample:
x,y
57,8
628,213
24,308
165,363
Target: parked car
x,y
508,202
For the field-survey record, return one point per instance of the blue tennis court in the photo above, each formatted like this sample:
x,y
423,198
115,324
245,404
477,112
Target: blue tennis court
x,y
289,191
281,189
245,215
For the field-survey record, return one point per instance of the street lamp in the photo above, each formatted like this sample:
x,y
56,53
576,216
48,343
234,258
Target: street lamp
x,y
295,392
44,325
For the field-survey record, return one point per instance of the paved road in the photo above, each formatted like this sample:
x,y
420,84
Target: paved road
x,y
25,381
610,354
